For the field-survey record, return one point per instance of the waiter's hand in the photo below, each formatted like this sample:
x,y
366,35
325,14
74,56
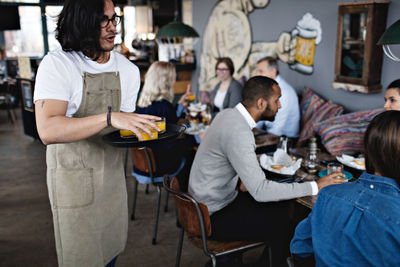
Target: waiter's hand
x,y
330,179
134,122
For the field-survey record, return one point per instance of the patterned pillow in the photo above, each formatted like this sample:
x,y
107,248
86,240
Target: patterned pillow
x,y
345,133
324,112
310,102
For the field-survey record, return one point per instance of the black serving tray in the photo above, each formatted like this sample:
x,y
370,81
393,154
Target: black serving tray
x,y
172,131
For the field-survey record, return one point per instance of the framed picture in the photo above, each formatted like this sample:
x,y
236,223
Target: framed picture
x,y
27,95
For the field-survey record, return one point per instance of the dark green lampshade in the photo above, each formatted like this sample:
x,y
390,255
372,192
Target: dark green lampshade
x,y
391,35
176,29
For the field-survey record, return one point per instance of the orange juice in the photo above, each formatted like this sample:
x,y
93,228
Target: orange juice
x,y
161,124
126,133
191,97
146,136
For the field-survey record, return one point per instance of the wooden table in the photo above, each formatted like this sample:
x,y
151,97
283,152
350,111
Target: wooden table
x,y
301,175
309,201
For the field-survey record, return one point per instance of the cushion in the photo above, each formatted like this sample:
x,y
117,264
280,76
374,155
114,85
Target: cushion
x,y
326,111
310,102
345,133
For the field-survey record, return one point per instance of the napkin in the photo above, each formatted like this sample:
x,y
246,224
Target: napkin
x,y
280,157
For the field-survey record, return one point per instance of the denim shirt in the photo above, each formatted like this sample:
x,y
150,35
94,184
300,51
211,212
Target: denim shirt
x,y
353,224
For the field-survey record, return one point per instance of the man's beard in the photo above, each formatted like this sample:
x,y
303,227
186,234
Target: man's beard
x,y
268,115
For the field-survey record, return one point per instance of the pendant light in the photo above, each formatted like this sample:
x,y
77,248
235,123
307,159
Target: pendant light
x,y
389,37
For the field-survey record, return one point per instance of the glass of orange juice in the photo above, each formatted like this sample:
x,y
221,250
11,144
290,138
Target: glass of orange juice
x,y
191,97
146,136
161,124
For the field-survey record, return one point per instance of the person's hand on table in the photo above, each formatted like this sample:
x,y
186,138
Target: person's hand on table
x,y
134,122
330,179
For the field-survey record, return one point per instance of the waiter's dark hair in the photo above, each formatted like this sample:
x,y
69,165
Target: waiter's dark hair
x,y
256,87
78,27
382,145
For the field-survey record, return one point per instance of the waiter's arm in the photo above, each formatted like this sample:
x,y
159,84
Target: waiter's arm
x,y
54,127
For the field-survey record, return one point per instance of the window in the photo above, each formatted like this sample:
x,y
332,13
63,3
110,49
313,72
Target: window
x,y
29,40
130,26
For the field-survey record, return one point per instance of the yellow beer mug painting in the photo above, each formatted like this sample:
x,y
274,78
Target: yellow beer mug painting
x,y
306,35
305,51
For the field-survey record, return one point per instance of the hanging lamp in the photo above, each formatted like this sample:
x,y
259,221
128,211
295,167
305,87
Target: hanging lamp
x,y
389,37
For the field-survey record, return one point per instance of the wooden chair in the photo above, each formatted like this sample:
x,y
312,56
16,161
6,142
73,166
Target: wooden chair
x,y
143,160
194,219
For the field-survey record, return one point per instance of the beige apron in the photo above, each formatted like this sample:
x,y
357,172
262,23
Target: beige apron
x,y
86,184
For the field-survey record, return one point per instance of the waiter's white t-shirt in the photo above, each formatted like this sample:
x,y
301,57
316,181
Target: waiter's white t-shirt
x,y
60,77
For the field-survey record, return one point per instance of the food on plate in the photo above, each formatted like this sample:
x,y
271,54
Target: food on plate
x,y
277,166
360,163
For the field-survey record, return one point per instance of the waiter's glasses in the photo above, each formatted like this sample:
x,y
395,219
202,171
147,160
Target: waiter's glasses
x,y
115,20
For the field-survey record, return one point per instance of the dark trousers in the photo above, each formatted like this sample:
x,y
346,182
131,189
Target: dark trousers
x,y
248,220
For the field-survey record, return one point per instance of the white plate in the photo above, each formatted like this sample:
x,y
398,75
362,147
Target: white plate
x,y
265,162
349,161
199,129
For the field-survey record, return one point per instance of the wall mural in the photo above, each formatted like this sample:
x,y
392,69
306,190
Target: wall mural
x,y
228,34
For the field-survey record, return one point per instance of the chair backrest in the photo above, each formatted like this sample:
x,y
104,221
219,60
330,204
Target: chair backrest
x,y
189,210
140,160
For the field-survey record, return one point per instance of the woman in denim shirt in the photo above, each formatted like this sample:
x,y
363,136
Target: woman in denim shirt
x,y
358,224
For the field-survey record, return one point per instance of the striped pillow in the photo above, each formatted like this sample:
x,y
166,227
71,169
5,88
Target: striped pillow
x,y
310,103
324,112
345,133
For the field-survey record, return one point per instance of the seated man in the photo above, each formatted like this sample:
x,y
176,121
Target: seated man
x,y
287,120
226,153
358,224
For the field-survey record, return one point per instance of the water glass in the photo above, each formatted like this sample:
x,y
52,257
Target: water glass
x,y
335,167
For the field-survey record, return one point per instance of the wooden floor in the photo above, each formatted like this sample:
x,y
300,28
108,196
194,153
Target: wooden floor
x,y
26,228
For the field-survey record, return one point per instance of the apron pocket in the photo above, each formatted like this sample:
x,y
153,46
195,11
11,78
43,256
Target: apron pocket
x,y
72,188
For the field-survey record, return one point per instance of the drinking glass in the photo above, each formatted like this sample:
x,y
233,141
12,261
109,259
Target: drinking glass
x,y
161,124
335,167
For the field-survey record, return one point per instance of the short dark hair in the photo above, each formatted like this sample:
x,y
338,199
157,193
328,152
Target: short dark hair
x,y
228,61
382,145
395,85
78,27
256,87
272,63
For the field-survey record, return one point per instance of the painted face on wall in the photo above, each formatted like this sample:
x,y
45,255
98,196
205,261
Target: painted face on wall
x,y
392,99
273,105
260,3
108,28
263,69
223,72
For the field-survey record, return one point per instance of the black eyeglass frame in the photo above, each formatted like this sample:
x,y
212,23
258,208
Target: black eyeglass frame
x,y
115,20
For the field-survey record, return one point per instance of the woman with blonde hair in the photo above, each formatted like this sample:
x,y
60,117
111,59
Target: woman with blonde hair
x,y
156,99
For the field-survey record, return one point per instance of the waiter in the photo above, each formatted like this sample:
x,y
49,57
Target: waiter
x,y
81,92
